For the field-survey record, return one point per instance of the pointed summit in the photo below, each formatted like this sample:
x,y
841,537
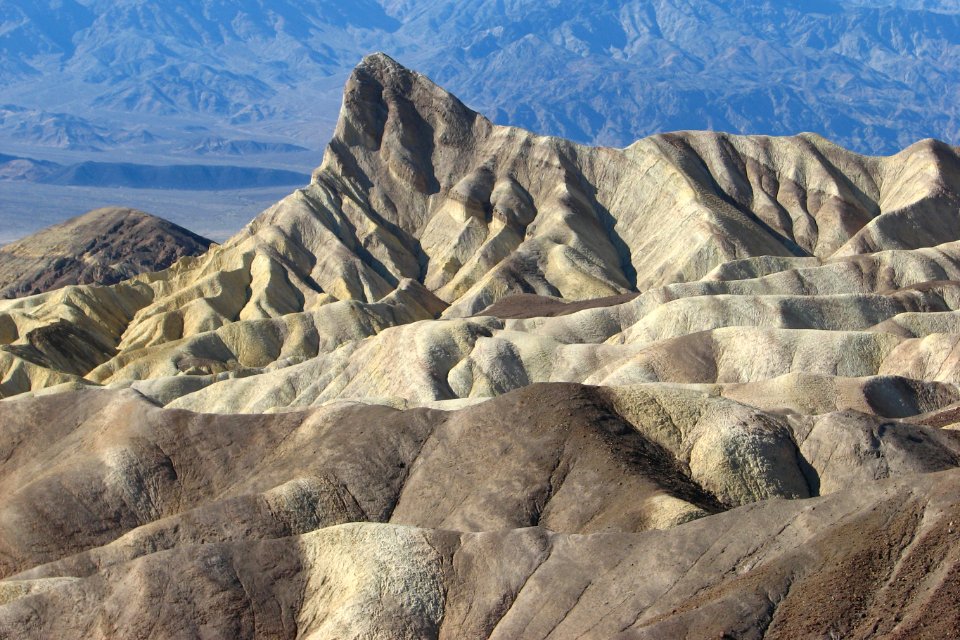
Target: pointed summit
x,y
395,119
378,61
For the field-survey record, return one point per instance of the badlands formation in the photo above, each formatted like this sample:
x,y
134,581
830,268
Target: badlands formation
x,y
472,382
103,246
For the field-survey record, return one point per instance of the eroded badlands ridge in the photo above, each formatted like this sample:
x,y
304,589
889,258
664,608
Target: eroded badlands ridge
x,y
473,382
532,515
103,246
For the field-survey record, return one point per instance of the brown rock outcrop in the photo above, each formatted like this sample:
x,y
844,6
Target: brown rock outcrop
x,y
103,246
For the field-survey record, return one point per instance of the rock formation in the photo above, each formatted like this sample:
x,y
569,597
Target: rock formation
x,y
473,382
103,246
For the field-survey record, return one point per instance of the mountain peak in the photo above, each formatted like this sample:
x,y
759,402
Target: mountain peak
x,y
379,60
395,119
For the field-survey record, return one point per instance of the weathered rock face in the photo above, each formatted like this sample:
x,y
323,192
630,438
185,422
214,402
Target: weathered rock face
x,y
415,188
553,509
473,382
103,247
419,195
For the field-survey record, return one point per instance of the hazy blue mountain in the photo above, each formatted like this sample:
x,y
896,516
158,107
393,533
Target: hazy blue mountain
x,y
871,75
31,29
873,79
122,174
191,177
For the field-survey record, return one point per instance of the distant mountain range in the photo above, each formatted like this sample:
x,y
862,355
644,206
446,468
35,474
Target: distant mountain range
x,y
143,176
167,76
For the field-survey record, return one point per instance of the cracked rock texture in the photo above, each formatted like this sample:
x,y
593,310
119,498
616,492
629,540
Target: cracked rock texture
x,y
473,382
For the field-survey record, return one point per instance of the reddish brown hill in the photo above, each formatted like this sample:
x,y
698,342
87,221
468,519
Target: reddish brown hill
x,y
103,246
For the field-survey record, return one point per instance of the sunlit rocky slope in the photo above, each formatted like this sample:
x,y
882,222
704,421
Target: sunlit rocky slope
x,y
474,382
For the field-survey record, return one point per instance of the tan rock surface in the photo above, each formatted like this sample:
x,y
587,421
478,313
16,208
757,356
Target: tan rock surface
x,y
266,526
416,186
369,414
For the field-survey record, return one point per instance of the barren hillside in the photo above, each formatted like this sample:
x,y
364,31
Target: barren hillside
x,y
473,382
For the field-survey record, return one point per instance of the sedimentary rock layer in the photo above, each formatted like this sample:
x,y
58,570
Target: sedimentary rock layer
x,y
474,382
556,509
